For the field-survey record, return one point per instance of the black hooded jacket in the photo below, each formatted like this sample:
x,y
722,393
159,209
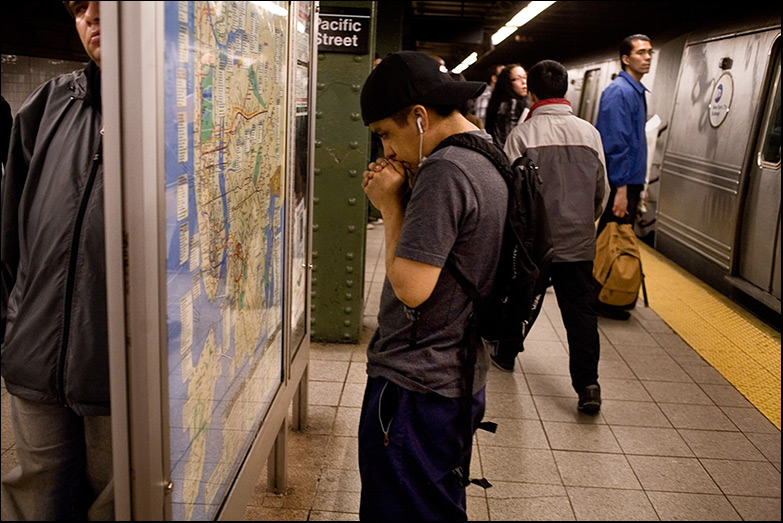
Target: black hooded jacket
x,y
53,295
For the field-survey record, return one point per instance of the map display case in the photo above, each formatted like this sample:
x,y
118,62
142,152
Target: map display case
x,y
301,166
225,84
210,142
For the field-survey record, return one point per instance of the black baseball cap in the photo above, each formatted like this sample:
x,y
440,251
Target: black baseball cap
x,y
408,78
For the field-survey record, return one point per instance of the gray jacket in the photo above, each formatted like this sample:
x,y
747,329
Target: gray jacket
x,y
570,158
52,256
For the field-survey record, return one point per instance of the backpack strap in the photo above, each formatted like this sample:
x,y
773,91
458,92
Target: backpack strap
x,y
462,471
494,154
474,142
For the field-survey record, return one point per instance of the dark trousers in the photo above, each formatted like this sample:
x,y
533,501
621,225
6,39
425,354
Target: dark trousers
x,y
633,193
409,445
573,284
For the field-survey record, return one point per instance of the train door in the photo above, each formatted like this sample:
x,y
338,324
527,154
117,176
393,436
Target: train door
x,y
706,186
759,248
590,92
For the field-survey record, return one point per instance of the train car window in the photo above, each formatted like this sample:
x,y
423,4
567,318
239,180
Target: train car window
x,y
770,152
590,95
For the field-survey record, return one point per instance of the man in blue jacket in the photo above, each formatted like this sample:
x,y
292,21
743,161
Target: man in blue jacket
x,y
54,354
621,119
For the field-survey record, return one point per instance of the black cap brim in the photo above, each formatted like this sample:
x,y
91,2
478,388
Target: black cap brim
x,y
409,78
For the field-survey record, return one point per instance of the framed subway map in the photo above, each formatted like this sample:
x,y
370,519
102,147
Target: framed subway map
x,y
225,134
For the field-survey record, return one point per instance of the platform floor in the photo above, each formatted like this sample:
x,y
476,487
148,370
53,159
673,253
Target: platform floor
x,y
674,440
678,437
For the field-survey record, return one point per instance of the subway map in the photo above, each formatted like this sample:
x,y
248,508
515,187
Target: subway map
x,y
225,77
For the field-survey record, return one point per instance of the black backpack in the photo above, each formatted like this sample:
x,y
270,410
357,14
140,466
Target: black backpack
x,y
505,317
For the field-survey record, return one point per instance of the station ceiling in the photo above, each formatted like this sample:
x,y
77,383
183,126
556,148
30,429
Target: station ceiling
x,y
449,29
565,31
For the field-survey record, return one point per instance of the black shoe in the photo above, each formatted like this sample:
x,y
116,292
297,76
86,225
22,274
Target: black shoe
x,y
609,311
504,364
590,399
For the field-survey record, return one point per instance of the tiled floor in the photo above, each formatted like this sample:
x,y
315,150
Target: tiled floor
x,y
673,441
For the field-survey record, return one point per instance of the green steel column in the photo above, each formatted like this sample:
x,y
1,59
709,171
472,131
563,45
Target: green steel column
x,y
342,150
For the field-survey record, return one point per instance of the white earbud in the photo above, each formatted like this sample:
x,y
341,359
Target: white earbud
x,y
421,140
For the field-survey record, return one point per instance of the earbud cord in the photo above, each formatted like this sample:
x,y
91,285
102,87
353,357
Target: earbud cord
x,y
421,143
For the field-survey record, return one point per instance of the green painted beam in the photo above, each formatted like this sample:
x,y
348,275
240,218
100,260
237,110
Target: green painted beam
x,y
342,150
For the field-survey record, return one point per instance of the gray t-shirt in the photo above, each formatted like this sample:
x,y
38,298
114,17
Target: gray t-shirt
x,y
456,211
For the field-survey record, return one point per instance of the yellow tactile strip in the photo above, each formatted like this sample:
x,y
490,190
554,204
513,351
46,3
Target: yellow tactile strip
x,y
739,346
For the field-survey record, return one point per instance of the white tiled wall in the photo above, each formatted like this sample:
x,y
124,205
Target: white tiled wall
x,y
22,74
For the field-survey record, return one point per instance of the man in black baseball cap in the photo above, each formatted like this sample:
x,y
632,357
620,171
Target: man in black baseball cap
x,y
415,86
437,203
407,78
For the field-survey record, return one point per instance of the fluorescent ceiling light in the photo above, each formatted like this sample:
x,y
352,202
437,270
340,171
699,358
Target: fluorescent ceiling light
x,y
503,33
525,15
467,62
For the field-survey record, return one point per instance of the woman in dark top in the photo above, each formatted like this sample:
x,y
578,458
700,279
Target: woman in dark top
x,y
508,103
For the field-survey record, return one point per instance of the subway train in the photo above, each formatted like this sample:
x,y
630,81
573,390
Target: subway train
x,y
713,192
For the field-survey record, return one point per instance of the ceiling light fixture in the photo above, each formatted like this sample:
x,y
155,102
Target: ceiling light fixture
x,y
530,11
467,62
526,14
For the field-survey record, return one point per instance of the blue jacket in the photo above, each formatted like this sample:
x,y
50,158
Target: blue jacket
x,y
621,119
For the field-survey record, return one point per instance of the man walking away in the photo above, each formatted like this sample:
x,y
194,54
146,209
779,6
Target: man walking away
x,y
569,155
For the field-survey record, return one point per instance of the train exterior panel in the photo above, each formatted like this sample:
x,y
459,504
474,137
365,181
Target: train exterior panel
x,y
713,202
708,161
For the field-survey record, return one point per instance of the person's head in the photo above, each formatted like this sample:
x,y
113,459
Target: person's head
x,y
512,81
405,96
492,74
636,55
87,18
465,107
547,79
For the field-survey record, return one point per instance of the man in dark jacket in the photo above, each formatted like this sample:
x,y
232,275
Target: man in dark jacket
x,y
54,352
6,120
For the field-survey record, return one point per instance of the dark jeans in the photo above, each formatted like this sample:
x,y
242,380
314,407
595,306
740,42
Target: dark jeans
x,y
633,193
407,473
573,284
